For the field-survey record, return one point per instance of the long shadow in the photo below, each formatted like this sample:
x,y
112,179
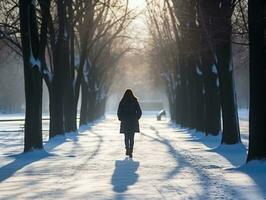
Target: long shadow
x,y
97,150
209,141
257,172
21,160
184,161
181,162
124,175
171,151
85,128
24,159
94,153
235,154
76,148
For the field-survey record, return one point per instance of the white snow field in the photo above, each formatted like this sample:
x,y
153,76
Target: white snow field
x,y
169,163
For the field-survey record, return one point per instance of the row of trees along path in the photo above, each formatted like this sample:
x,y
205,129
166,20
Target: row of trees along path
x,y
73,46
191,49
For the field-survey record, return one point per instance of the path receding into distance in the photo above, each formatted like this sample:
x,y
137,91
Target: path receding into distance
x,y
169,163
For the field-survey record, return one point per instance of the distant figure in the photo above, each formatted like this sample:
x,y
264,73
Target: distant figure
x,y
129,113
160,114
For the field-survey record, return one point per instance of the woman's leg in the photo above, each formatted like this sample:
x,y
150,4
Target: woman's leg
x,y
127,140
131,138
127,143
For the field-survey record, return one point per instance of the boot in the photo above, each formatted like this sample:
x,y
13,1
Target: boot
x,y
130,153
127,151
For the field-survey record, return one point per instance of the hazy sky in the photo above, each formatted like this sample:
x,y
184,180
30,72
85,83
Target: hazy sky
x,y
138,29
140,4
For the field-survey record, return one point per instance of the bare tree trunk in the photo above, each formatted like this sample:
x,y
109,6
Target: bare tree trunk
x,y
200,106
257,112
32,76
211,97
84,104
231,133
177,102
56,108
91,104
57,86
69,95
183,95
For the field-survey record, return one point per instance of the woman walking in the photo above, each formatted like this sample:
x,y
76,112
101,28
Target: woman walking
x,y
129,113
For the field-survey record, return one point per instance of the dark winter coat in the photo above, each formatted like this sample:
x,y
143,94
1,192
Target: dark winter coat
x,y
129,113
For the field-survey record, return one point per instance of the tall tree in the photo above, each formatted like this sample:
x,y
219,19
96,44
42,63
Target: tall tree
x,y
223,43
106,30
216,20
32,73
257,110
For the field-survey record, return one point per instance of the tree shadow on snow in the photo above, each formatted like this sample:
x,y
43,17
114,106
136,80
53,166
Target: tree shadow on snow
x,y
235,154
124,175
183,162
171,150
208,140
256,170
23,159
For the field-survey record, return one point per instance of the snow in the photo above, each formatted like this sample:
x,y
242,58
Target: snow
x,y
214,69
217,82
169,162
243,114
167,77
49,74
203,90
33,61
19,116
65,33
216,58
231,68
198,71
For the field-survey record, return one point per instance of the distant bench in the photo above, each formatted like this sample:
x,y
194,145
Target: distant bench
x,y
160,114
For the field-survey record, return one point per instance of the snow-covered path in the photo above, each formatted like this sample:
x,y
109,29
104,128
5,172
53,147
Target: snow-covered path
x,y
168,164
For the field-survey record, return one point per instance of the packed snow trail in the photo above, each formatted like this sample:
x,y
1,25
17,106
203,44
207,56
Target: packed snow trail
x,y
168,163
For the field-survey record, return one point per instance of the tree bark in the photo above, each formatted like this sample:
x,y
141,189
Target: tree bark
x,y
84,104
57,86
69,81
231,133
32,76
257,112
212,116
